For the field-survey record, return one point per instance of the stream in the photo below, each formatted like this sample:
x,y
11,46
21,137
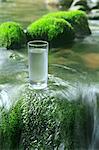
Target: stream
x,y
76,67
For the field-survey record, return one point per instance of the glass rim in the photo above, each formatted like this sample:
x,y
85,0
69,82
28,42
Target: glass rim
x,y
37,43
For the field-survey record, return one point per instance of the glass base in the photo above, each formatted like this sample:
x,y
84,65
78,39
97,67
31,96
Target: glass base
x,y
38,86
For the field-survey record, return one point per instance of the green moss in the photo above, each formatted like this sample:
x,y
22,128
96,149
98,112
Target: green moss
x,y
4,129
11,127
76,18
56,31
11,35
15,125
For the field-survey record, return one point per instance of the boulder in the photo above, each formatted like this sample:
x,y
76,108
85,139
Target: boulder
x,y
78,20
57,31
12,35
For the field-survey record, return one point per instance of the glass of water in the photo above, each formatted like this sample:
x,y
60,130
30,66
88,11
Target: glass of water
x,y
38,63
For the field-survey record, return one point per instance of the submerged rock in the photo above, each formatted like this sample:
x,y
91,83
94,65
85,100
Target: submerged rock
x,y
57,31
11,35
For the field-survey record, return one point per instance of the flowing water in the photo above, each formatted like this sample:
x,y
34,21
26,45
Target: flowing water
x,y
76,68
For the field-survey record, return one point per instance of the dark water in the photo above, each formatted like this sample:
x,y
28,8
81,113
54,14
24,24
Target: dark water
x,y
77,66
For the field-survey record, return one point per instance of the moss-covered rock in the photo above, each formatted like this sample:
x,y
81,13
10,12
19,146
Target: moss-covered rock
x,y
53,123
76,18
47,120
11,35
54,30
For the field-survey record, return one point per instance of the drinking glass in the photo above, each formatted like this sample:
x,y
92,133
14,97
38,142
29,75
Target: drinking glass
x,y
38,63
